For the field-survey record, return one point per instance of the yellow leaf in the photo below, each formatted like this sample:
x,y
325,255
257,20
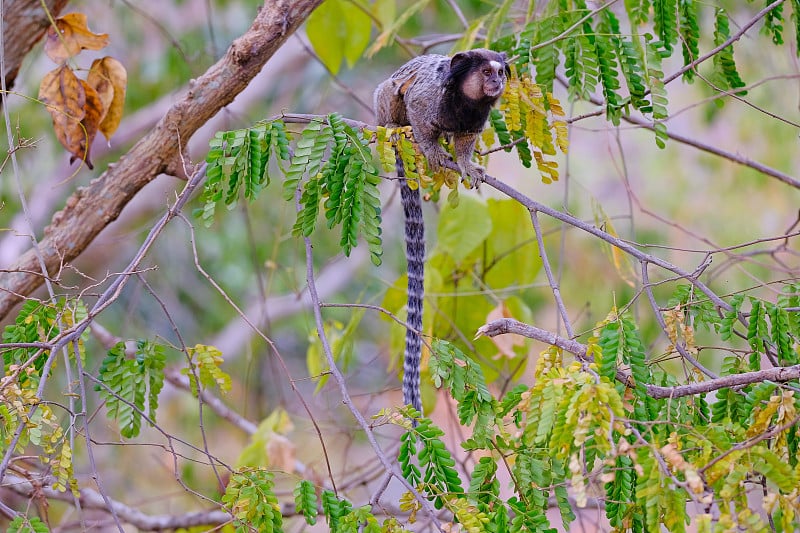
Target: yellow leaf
x,y
72,37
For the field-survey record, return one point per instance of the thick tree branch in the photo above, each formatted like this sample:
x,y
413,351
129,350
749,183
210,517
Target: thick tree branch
x,y
24,23
509,325
92,208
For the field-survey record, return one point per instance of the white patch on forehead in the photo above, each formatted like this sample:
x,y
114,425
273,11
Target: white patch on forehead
x,y
495,65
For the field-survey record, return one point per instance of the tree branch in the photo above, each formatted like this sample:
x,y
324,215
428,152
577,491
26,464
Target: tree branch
x,y
92,208
91,499
509,325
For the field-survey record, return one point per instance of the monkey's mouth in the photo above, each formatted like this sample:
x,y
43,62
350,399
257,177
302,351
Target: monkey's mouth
x,y
493,91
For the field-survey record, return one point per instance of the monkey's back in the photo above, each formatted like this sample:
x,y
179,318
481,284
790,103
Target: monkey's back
x,y
416,85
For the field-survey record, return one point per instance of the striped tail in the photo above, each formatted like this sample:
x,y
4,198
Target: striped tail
x,y
415,256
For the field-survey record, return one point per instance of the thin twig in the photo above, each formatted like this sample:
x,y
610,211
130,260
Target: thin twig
x,y
390,466
550,278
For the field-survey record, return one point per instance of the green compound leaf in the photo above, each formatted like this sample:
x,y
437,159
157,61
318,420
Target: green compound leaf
x,y
131,385
305,501
250,499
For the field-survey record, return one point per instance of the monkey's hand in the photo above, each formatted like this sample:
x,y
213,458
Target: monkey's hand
x,y
476,174
437,158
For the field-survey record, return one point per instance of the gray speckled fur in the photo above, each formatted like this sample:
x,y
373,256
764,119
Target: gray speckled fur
x,y
436,95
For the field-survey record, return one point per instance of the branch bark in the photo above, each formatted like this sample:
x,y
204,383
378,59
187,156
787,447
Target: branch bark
x,y
24,23
92,208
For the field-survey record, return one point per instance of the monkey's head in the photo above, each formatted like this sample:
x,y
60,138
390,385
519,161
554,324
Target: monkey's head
x,y
480,74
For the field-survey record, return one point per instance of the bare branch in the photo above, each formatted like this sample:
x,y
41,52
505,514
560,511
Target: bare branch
x,y
91,499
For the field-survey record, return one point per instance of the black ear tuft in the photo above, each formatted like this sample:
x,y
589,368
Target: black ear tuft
x,y
460,65
504,60
461,62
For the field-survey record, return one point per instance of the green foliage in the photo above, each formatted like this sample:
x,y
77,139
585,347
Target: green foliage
x,y
36,322
689,34
250,498
609,75
665,22
238,163
500,128
339,30
406,455
773,23
332,165
305,501
631,60
204,367
23,524
545,58
334,509
621,493
576,430
725,74
700,309
307,157
796,16
439,478
450,367
484,487
658,94
637,11
360,520
731,317
130,384
581,66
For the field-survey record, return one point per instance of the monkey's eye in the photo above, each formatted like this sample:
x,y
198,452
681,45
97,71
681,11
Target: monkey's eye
x,y
487,72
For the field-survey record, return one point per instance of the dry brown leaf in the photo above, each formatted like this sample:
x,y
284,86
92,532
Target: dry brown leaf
x,y
91,122
65,97
505,343
74,37
110,79
280,452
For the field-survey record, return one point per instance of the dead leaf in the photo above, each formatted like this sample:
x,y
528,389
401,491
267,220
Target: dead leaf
x,y
280,452
505,343
91,122
110,79
72,37
65,97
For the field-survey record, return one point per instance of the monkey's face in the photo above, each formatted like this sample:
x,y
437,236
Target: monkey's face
x,y
494,78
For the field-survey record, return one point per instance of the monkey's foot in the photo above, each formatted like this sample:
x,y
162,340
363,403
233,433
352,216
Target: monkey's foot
x,y
476,175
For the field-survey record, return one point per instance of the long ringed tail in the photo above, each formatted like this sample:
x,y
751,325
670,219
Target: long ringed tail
x,y
415,256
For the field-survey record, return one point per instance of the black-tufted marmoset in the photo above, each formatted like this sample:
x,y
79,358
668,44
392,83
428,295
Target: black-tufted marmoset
x,y
437,96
